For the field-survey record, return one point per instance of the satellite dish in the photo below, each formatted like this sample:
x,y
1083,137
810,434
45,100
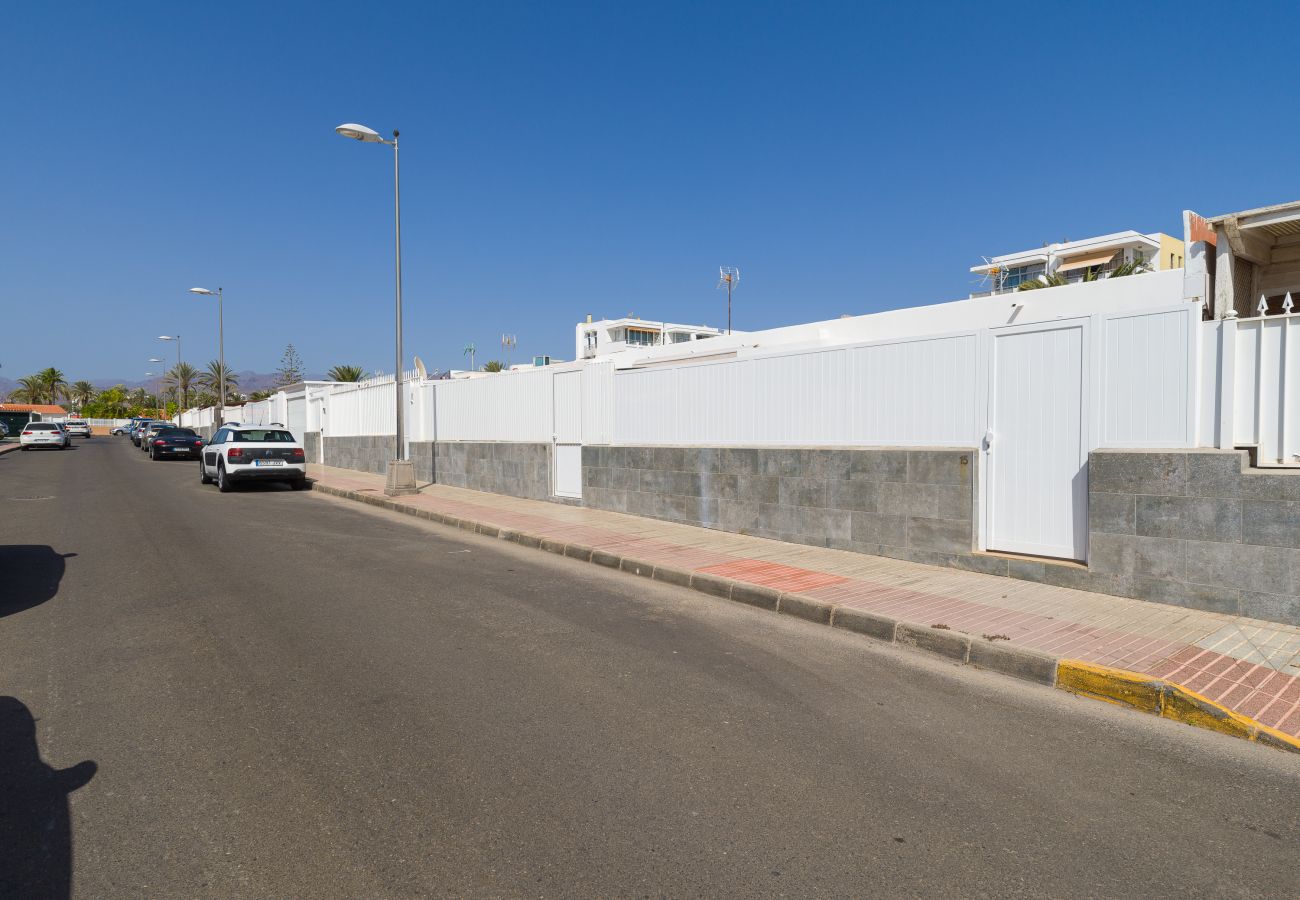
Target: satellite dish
x,y
420,370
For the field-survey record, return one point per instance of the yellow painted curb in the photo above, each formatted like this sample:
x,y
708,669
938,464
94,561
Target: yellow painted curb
x,y
1165,699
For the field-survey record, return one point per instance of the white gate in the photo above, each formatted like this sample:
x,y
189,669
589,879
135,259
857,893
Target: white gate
x,y
1036,447
567,477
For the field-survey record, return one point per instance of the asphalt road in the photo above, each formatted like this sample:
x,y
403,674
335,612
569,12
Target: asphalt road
x,y
271,693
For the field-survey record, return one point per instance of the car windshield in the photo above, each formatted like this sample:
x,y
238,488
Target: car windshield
x,y
263,436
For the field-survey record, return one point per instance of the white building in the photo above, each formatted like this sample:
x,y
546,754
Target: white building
x,y
606,336
1077,261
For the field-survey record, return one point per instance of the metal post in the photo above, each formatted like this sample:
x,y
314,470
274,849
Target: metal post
x,y
221,359
397,227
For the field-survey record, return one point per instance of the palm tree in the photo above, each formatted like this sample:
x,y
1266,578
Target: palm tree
x,y
1056,279
81,393
181,379
259,395
493,365
345,373
52,384
210,380
29,391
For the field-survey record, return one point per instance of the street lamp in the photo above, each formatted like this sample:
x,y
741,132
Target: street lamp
x,y
177,339
401,476
221,348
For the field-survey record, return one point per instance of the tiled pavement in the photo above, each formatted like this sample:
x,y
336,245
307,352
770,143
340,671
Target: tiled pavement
x,y
1250,666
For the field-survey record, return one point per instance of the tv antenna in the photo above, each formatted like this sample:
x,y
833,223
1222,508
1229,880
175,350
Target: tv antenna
x,y
729,276
508,342
469,351
995,275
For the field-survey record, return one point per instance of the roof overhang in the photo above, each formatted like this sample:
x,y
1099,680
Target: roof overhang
x,y
1277,220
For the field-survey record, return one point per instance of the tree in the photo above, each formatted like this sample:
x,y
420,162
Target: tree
x,y
345,373
291,369
181,379
52,385
28,391
210,381
493,365
259,395
81,394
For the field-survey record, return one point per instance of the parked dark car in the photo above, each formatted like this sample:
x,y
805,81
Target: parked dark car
x,y
168,443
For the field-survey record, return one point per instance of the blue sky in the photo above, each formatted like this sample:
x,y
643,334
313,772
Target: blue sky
x,y
562,159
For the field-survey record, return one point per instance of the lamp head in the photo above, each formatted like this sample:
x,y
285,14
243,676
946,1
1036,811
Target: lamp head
x,y
359,133
203,291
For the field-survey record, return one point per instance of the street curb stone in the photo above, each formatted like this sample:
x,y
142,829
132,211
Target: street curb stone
x,y
1018,662
952,644
805,608
1117,686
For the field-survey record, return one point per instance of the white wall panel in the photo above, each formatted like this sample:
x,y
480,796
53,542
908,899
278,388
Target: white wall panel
x,y
568,407
1210,375
1147,384
598,403
915,392
1245,428
515,406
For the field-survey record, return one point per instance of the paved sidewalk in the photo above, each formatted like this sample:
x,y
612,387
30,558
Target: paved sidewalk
x,y
1247,665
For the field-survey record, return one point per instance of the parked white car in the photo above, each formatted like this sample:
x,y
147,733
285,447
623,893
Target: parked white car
x,y
46,435
253,453
77,427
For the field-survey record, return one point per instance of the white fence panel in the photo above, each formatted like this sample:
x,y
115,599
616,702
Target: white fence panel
x,y
916,393
911,392
1266,389
568,407
514,406
296,415
598,403
1148,380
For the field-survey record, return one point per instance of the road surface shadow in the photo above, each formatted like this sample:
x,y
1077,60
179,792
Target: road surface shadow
x,y
29,575
35,828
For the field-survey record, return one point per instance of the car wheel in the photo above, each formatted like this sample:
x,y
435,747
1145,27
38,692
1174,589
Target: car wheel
x,y
154,456
298,484
223,481
204,477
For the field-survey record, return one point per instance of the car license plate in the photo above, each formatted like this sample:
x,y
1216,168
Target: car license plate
x,y
268,462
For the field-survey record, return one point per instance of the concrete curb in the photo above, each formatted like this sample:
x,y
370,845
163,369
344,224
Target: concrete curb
x,y
9,448
1118,686
1165,699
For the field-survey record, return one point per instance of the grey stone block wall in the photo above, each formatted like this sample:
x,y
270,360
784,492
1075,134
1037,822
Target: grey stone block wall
x,y
364,453
898,502
514,469
1196,528
311,446
517,470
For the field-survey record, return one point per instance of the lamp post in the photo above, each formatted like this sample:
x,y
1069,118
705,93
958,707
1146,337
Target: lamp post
x,y
221,350
401,475
177,339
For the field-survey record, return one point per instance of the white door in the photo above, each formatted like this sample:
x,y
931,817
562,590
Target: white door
x,y
1037,460
568,435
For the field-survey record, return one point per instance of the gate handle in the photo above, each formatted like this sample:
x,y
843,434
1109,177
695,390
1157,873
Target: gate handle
x,y
988,439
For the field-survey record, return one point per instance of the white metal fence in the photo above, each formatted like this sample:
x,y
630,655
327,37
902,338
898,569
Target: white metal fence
x,y
1250,387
